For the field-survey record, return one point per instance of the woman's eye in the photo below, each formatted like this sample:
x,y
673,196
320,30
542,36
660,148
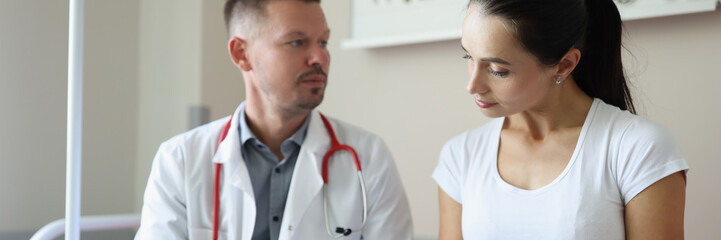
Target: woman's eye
x,y
466,56
499,73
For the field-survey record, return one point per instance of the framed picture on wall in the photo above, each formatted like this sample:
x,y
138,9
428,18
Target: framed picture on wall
x,y
384,23
379,23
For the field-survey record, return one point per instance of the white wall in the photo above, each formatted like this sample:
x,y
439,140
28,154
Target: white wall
x,y
222,83
110,105
414,97
33,88
169,76
183,63
33,69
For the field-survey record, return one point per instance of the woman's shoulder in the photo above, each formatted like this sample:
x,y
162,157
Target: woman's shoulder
x,y
466,154
630,134
628,126
477,137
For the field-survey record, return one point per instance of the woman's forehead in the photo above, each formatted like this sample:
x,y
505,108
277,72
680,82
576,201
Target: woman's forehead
x,y
487,34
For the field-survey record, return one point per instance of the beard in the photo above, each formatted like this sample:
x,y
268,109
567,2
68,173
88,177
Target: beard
x,y
309,103
304,99
316,94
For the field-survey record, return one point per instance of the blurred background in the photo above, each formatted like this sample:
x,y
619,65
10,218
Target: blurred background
x,y
149,63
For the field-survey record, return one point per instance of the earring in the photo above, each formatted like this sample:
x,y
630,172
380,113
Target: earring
x,y
558,79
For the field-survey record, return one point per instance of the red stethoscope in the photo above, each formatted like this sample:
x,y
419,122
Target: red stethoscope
x,y
335,147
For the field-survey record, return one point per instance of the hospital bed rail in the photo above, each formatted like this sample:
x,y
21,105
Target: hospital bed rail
x,y
89,223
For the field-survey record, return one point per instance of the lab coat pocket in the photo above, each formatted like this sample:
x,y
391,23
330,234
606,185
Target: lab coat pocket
x,y
205,234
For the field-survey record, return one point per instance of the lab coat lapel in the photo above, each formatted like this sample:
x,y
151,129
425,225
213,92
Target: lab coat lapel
x,y
307,181
229,155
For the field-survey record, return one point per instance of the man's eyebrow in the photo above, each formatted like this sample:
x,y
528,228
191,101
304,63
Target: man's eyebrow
x,y
295,34
301,34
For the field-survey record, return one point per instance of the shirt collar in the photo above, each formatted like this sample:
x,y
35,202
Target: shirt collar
x,y
246,134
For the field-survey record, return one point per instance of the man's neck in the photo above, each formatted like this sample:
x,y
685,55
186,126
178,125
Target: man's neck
x,y
271,126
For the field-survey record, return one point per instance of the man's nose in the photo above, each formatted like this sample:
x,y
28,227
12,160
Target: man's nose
x,y
319,55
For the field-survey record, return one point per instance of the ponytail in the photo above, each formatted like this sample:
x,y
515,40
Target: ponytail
x,y
600,71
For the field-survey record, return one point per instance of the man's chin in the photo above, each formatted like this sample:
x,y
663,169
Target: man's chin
x,y
309,105
317,91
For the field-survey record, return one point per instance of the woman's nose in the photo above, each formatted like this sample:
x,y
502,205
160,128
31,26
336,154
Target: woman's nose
x,y
477,84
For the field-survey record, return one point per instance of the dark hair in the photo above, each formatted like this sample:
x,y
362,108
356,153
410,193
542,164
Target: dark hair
x,y
549,28
233,8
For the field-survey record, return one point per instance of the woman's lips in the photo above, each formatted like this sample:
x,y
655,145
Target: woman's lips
x,y
483,104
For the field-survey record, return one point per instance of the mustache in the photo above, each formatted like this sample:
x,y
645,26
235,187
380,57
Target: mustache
x,y
316,70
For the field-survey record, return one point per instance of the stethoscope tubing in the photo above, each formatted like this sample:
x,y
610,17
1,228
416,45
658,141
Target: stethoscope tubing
x,y
216,187
335,146
342,232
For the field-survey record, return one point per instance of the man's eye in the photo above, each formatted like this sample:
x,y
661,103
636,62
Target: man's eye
x,y
296,43
323,43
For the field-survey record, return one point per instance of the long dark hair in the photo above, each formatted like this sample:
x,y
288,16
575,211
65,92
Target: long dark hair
x,y
549,28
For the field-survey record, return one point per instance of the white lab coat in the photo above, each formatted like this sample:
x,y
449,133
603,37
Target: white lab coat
x,y
178,202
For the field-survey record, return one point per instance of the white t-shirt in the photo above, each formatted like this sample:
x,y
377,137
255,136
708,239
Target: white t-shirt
x,y
617,155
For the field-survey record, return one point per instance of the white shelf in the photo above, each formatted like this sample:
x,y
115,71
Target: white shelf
x,y
389,41
637,9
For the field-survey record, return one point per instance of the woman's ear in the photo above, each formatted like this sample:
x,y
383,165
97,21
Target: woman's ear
x,y
238,49
568,62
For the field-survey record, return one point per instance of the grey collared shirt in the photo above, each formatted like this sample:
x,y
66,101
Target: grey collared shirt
x,y
269,176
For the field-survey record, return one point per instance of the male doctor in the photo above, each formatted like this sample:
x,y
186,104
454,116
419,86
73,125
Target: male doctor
x,y
272,148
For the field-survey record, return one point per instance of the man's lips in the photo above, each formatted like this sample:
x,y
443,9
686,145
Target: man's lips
x,y
314,80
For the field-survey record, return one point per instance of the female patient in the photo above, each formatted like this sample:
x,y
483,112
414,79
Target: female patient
x,y
565,157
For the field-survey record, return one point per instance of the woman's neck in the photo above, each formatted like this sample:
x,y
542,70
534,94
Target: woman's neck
x,y
564,108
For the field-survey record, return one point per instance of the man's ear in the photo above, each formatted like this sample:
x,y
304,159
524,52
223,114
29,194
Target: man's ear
x,y
238,49
568,62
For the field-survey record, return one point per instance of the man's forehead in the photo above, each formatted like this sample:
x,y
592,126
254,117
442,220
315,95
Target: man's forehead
x,y
288,17
290,6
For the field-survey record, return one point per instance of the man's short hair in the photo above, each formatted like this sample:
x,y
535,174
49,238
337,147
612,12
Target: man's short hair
x,y
240,14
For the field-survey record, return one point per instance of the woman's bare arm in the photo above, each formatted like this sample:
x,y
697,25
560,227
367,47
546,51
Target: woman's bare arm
x,y
450,217
657,212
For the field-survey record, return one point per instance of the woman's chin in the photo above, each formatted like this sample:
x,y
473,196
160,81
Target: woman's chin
x,y
493,113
